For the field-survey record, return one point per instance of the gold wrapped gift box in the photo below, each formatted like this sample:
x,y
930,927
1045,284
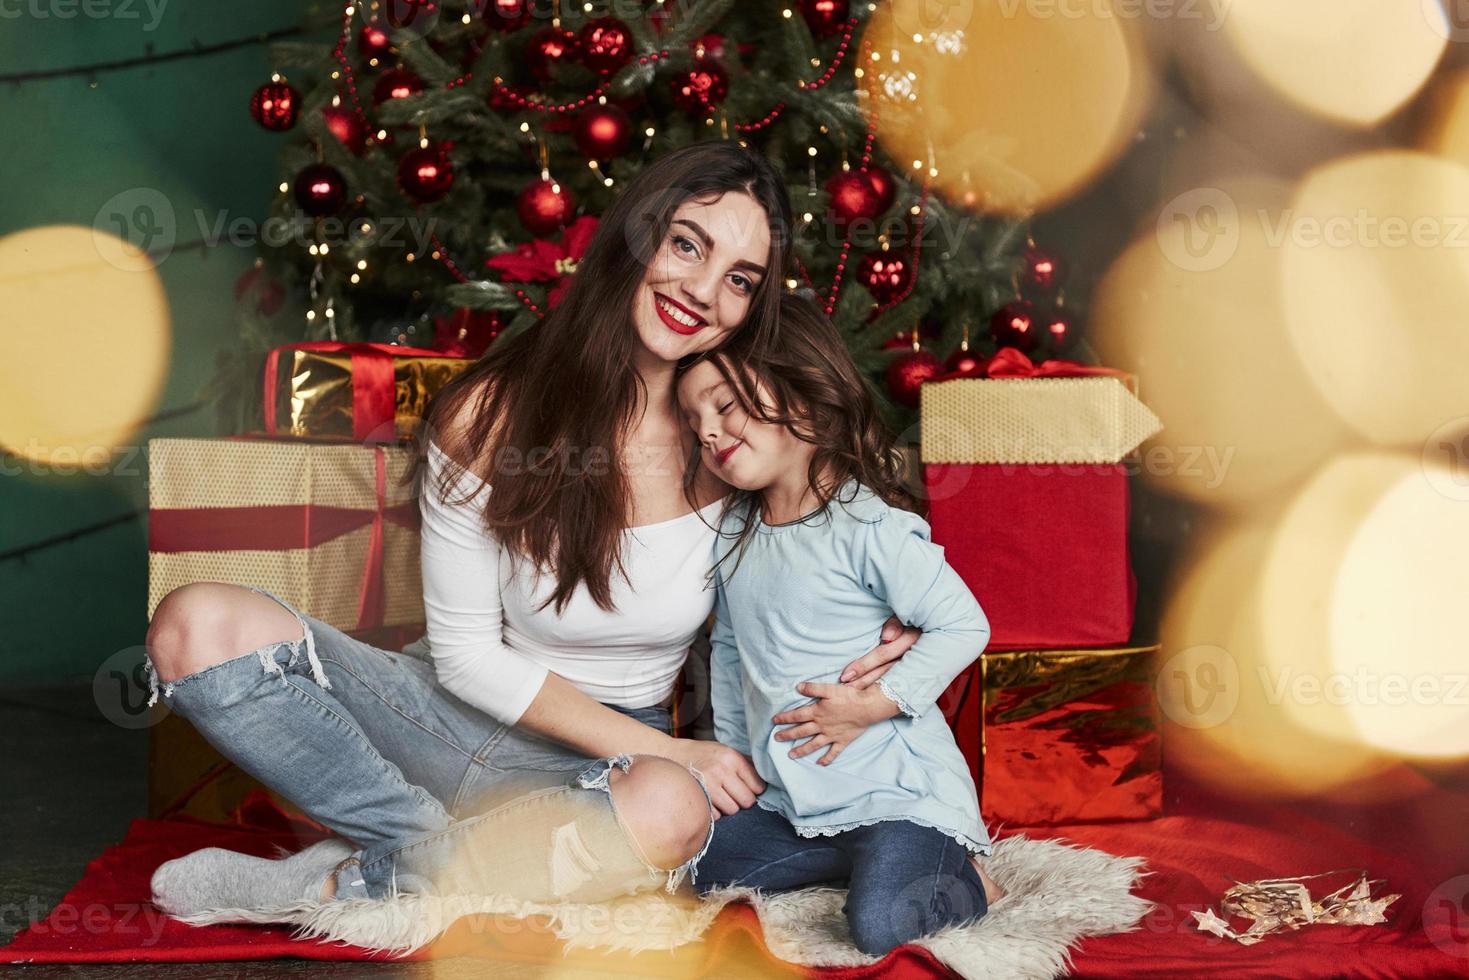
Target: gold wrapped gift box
x,y
363,392
1061,736
325,526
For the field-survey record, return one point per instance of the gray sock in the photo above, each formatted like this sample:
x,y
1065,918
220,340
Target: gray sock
x,y
214,878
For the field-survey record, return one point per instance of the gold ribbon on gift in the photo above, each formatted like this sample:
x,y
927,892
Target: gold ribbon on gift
x,y
1042,417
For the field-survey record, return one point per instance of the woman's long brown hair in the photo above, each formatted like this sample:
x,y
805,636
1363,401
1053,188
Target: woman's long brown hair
x,y
548,408
813,388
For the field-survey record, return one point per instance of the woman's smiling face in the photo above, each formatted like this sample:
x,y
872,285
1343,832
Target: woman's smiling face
x,y
700,283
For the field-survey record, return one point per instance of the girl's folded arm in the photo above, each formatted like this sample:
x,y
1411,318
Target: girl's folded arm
x,y
903,567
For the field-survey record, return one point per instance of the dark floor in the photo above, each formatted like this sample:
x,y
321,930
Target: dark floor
x,y
72,783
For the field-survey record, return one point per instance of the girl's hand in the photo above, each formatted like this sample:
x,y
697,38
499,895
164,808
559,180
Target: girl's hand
x,y
868,669
839,714
729,776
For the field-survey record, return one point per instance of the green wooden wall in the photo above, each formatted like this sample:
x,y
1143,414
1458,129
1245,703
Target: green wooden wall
x,y
70,144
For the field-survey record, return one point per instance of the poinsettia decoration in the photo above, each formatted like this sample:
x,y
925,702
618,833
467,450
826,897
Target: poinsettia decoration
x,y
547,261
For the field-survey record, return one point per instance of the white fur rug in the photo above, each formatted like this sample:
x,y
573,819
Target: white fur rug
x,y
1056,895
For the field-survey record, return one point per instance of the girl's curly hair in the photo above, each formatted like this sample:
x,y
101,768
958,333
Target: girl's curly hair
x,y
821,397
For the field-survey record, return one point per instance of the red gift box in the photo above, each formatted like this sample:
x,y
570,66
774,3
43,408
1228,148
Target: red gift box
x,y
1029,497
1046,554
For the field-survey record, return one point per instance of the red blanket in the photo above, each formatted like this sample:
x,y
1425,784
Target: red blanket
x,y
1417,843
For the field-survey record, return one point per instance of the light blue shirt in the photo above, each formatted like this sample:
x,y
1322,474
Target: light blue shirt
x,y
806,599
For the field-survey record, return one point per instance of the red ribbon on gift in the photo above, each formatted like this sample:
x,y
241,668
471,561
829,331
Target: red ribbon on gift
x,y
283,527
374,392
1009,362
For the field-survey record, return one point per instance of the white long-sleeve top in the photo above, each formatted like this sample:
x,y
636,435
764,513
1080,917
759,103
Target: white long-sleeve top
x,y
491,644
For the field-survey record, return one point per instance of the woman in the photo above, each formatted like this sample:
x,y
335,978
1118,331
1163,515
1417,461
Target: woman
x,y
473,773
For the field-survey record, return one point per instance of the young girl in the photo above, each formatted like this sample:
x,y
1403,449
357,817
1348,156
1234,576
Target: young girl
x,y
815,548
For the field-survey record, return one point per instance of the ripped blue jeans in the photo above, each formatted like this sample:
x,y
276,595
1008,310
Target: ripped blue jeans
x,y
438,796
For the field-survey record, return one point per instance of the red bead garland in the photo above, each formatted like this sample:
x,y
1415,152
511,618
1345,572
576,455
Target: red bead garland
x,y
442,254
836,59
339,53
519,100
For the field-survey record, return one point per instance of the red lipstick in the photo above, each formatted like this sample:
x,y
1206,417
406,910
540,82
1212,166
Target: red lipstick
x,y
675,325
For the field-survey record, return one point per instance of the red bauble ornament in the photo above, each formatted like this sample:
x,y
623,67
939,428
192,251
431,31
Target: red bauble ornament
x,y
347,126
274,106
548,48
824,17
852,196
698,90
885,275
908,372
964,361
374,45
396,83
1016,325
1042,271
1059,329
426,173
320,189
903,340
883,185
545,206
507,15
605,44
603,132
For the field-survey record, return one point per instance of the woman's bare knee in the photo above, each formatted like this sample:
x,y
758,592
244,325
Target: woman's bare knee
x,y
664,808
205,623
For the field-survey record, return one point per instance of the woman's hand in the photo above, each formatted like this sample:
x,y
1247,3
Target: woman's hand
x,y
897,640
730,778
839,714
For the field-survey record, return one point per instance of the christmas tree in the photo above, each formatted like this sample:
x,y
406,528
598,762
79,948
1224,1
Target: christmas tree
x,y
447,161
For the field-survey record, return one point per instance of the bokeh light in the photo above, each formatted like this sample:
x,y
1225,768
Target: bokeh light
x,y
1376,282
1219,683
1363,588
1319,644
1444,130
86,332
1018,106
1355,62
1194,309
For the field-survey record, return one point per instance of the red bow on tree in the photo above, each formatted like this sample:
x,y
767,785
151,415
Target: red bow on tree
x,y
547,261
